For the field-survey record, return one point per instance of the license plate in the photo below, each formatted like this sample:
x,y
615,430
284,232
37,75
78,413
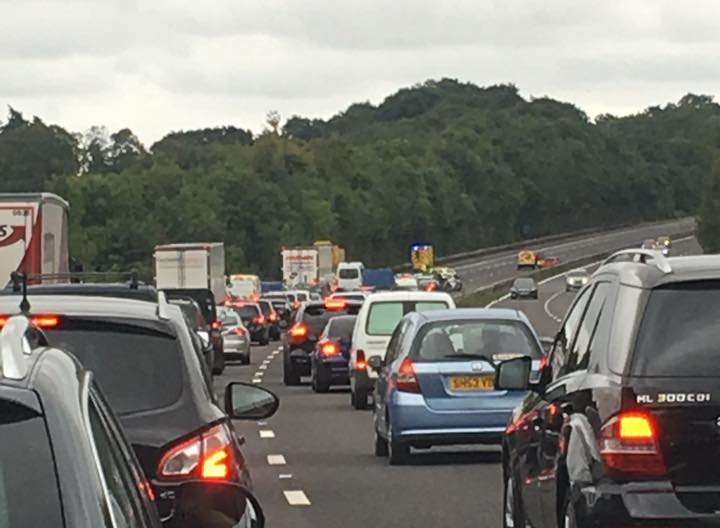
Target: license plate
x,y
472,383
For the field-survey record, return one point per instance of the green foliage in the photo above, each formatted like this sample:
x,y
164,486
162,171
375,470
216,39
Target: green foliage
x,y
444,161
709,216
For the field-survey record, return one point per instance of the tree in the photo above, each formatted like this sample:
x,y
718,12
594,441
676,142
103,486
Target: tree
x,y
709,214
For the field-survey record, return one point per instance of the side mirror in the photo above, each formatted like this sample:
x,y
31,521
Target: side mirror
x,y
216,504
513,374
376,363
244,401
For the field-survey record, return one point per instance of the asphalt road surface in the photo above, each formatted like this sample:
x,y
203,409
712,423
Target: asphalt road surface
x,y
313,463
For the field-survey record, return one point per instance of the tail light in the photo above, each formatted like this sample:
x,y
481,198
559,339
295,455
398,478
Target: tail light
x,y
432,286
405,380
335,304
260,319
241,331
329,349
273,317
629,447
208,456
216,325
298,333
42,321
360,362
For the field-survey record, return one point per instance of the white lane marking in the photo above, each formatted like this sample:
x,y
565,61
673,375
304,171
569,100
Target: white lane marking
x,y
547,305
262,367
499,299
278,349
257,380
266,362
296,498
276,460
285,476
267,433
262,422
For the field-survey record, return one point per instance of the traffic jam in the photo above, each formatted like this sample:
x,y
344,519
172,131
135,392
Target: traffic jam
x,y
128,401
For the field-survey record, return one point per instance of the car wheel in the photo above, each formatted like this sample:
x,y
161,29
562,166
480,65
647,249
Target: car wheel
x,y
245,360
513,516
381,445
290,377
569,517
265,339
359,399
398,452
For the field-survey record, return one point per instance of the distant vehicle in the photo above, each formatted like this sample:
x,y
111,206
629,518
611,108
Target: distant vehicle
x,y
427,282
244,287
436,385
376,321
254,320
665,244
271,286
301,338
448,279
235,335
329,360
358,296
422,257
649,243
33,234
543,262
526,259
196,322
350,276
272,318
310,265
282,308
406,281
377,279
191,266
576,279
329,256
524,288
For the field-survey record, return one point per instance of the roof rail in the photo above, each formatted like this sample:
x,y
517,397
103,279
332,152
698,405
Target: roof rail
x,y
163,306
642,255
75,277
14,347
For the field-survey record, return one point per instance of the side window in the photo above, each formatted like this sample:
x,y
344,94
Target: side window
x,y
122,489
578,358
394,344
560,352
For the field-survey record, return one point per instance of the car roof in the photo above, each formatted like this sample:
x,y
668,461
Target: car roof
x,y
405,295
83,305
472,313
119,290
650,274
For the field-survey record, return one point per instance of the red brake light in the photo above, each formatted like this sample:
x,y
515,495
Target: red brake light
x,y
3,321
360,363
216,325
208,456
260,319
405,380
432,286
215,466
329,348
335,304
298,330
241,330
543,363
629,447
42,321
273,317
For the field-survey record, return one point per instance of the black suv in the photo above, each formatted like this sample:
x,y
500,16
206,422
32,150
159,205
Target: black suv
x,y
143,359
623,427
302,337
254,320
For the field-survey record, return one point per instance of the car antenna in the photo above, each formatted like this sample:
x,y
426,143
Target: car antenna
x,y
21,280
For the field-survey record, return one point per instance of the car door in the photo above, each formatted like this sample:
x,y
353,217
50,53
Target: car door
x,y
381,387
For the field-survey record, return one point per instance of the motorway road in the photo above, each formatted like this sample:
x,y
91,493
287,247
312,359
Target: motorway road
x,y
313,462
502,266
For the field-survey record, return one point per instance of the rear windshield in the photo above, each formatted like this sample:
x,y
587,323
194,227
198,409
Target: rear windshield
x,y
302,297
458,340
680,332
341,328
348,273
317,317
204,298
28,483
384,316
248,311
228,318
265,307
192,314
137,368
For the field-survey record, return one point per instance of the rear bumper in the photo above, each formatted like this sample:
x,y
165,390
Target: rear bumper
x,y
612,504
334,370
299,361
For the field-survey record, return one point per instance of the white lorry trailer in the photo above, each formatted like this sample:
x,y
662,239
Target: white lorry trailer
x,y
191,266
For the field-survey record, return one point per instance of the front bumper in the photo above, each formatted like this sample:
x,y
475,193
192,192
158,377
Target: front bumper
x,y
653,503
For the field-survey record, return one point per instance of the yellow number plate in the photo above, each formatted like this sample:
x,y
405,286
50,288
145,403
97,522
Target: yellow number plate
x,y
472,383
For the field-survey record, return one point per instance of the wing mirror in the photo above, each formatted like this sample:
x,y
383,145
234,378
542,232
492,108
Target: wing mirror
x,y
199,504
513,374
244,401
376,363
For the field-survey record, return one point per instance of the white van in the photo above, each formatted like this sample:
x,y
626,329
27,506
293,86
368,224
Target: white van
x,y
374,325
349,276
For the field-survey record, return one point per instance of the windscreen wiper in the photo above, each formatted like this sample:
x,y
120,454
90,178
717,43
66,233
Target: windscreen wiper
x,y
470,356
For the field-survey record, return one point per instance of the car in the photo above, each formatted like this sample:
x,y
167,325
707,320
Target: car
x,y
544,262
201,338
664,242
254,320
349,276
406,281
436,383
524,288
576,279
235,335
621,428
141,356
272,318
526,259
206,301
244,287
427,282
329,359
376,321
282,308
358,296
301,338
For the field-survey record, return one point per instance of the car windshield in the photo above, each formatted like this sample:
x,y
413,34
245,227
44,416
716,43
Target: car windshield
x,y
242,288
679,333
495,339
524,283
349,273
385,315
248,311
138,368
28,482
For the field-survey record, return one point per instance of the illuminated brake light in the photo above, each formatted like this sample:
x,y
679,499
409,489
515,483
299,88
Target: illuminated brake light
x,y
208,456
241,331
360,363
42,321
298,330
215,466
216,325
3,321
335,304
405,380
635,427
273,317
629,447
259,320
329,348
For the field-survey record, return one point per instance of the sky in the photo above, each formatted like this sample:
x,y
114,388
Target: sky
x,y
157,66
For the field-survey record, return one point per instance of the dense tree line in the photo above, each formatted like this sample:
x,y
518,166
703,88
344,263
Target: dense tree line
x,y
447,162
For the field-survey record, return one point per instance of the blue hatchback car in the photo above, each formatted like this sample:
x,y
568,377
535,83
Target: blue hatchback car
x,y
436,384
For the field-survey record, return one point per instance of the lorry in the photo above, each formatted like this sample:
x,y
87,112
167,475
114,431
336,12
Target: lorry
x,y
244,286
33,234
312,264
422,257
329,256
191,266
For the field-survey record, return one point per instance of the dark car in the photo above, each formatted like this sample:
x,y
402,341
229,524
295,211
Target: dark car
x,y
206,301
283,309
301,338
329,360
524,288
255,321
143,360
272,318
622,428
196,322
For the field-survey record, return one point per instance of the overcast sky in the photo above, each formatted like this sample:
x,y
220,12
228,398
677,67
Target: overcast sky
x,y
161,65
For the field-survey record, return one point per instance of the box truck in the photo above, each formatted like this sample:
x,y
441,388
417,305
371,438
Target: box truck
x,y
191,266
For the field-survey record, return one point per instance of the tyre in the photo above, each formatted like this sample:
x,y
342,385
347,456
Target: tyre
x,y
265,339
513,515
290,377
359,399
245,360
381,445
569,517
219,365
398,452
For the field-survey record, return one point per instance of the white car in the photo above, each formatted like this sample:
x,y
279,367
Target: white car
x,y
406,281
374,325
349,276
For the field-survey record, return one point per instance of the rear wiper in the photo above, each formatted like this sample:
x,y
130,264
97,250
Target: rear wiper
x,y
471,356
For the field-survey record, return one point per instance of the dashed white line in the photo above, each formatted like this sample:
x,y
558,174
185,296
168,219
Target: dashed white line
x,y
284,476
257,380
547,305
267,433
296,498
262,367
276,460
